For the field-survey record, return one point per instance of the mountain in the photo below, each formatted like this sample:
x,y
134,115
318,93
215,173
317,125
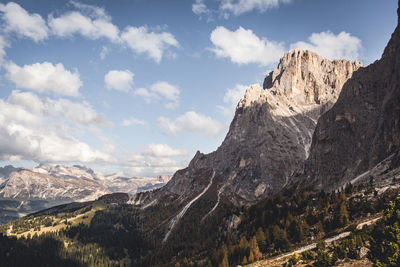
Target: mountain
x,y
362,129
24,191
270,135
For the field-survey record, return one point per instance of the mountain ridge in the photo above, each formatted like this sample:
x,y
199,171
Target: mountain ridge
x,y
24,191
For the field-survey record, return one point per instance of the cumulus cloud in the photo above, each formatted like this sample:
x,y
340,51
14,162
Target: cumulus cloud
x,y
168,125
168,91
231,99
45,77
161,90
331,46
77,112
192,122
147,166
39,129
141,41
120,80
244,47
155,159
238,7
133,121
91,22
75,22
163,150
19,21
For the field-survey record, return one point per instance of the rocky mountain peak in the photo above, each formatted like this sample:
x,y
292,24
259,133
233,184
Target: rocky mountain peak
x,y
307,79
303,82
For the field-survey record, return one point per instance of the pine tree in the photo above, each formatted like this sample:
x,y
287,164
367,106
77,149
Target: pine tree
x,y
385,244
225,262
254,248
251,256
261,239
244,261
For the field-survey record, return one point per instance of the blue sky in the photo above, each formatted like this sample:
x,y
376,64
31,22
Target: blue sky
x,y
140,86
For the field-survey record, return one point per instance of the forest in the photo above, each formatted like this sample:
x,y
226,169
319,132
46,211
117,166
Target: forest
x,y
123,235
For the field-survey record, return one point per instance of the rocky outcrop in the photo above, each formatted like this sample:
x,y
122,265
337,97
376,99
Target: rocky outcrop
x,y
270,135
362,128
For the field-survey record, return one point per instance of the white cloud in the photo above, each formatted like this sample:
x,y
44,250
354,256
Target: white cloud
x,y
152,167
331,46
168,91
3,45
231,99
192,122
91,22
81,113
76,112
93,11
226,8
146,94
18,20
238,7
155,159
199,8
94,23
104,52
75,22
159,90
40,129
141,41
168,125
121,80
163,150
133,121
45,77
243,46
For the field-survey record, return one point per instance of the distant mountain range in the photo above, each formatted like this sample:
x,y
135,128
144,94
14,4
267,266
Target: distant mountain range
x,y
23,191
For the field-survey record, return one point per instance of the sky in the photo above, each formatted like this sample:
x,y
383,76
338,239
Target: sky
x,y
138,86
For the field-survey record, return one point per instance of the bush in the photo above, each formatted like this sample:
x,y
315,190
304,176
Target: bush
x,y
323,260
308,255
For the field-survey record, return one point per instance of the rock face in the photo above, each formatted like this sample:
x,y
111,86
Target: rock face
x,y
270,135
362,128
